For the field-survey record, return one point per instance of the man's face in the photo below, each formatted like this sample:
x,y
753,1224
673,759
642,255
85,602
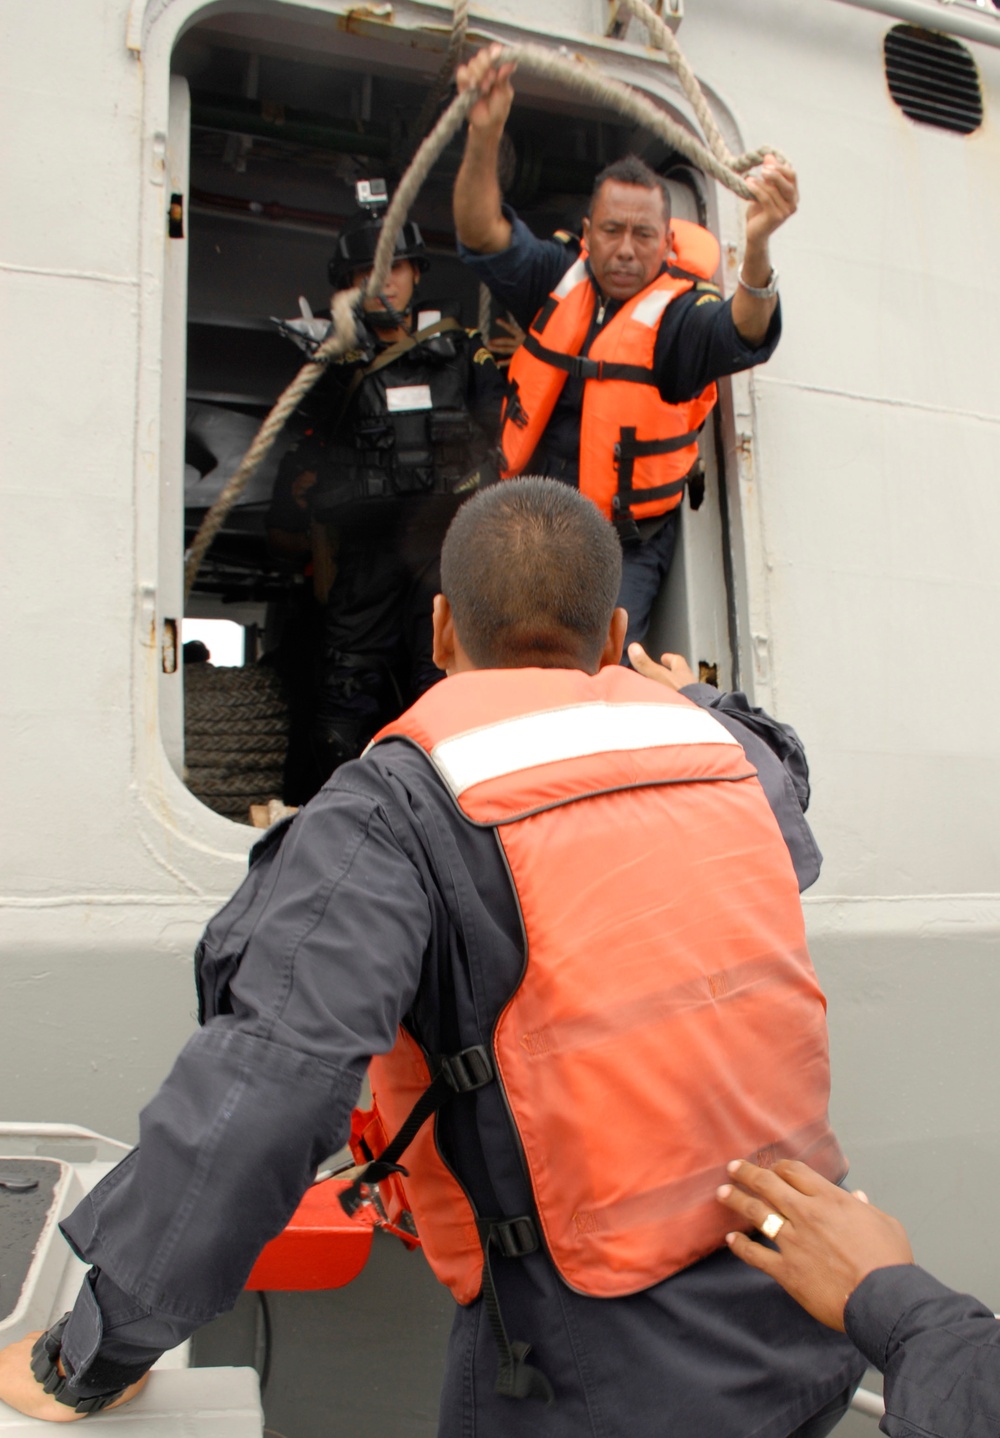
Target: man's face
x,y
398,288
628,237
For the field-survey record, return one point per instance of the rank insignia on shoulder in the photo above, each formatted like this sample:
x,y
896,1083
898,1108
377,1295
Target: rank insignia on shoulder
x,y
707,285
353,357
567,238
708,300
482,356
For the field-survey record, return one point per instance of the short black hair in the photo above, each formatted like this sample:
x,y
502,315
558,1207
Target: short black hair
x,y
531,570
630,170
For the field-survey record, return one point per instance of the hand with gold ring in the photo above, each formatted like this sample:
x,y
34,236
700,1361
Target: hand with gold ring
x,y
771,1225
827,1241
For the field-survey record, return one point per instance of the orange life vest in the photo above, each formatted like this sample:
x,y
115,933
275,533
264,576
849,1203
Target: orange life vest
x,y
635,449
668,1017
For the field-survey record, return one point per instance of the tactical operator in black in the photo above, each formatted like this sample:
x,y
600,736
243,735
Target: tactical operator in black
x,y
406,429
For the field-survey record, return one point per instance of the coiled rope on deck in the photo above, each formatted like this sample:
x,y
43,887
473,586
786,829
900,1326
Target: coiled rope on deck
x,y
575,75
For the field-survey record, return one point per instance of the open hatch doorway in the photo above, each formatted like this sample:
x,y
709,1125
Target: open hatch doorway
x,y
276,115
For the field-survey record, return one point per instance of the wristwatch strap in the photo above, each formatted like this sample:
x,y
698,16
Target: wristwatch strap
x,y
767,292
45,1367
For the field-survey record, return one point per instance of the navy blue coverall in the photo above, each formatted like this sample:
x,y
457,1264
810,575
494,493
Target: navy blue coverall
x,y
379,900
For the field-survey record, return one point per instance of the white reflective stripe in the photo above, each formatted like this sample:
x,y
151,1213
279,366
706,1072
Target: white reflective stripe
x,y
573,732
571,278
425,319
650,309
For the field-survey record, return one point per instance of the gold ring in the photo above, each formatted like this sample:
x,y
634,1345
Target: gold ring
x,y
772,1225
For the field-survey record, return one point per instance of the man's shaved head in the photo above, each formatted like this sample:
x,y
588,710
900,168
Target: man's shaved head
x,y
531,571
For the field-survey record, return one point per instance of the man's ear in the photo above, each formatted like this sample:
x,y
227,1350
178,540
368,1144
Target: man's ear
x,y
615,642
586,229
443,652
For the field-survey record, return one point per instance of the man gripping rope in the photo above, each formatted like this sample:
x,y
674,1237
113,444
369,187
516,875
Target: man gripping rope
x,y
625,340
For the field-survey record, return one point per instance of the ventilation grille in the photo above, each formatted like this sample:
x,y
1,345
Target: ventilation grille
x,y
933,78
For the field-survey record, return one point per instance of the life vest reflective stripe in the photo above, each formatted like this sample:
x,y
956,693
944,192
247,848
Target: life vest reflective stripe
x,y
635,449
651,1037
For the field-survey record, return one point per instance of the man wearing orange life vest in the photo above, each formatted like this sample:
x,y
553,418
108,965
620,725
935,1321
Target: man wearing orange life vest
x,y
565,891
625,341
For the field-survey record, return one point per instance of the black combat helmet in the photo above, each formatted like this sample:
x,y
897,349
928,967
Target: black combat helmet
x,y
356,249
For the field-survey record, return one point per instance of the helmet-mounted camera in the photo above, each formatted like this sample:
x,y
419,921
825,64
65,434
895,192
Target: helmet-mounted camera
x,y
372,195
357,243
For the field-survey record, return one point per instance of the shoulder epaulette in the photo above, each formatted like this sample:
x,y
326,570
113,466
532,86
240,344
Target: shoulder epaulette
x,y
707,285
567,238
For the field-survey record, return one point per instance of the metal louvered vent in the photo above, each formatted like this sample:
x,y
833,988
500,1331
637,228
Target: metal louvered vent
x,y
933,78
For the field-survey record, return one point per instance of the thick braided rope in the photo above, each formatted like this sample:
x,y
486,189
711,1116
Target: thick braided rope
x,y
663,38
574,75
345,334
485,318
411,184
438,90
611,94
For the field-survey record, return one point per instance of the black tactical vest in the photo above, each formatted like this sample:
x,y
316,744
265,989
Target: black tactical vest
x,y
407,430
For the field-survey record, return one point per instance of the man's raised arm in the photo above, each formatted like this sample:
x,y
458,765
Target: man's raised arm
x,y
479,218
775,199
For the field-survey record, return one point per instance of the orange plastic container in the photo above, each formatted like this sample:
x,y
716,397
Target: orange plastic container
x,y
320,1248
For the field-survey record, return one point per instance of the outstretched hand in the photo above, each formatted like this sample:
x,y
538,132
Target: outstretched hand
x,y
673,670
20,1389
492,80
830,1239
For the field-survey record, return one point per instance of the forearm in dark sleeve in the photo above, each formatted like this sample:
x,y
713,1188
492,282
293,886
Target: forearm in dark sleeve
x,y
939,1352
777,753
522,276
260,1095
111,1340
698,343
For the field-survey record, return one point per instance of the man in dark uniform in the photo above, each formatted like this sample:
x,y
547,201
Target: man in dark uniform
x,y
381,901
403,431
699,337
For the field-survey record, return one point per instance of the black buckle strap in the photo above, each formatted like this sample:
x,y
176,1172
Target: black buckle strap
x,y
622,500
428,1103
545,314
582,367
644,448
626,452
514,411
463,1072
578,366
468,1070
516,1377
515,1237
